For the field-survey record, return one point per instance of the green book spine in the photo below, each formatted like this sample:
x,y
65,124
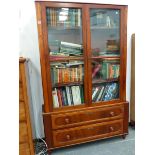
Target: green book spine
x,y
82,94
105,70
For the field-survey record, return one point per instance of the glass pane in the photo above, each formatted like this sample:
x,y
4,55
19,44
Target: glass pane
x,y
105,79
64,32
67,83
105,32
105,91
65,42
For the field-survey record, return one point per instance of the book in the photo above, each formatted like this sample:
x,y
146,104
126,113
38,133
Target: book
x,y
71,96
100,94
97,94
82,94
112,92
64,97
75,95
55,98
68,95
105,70
78,94
96,70
59,98
114,70
73,45
94,93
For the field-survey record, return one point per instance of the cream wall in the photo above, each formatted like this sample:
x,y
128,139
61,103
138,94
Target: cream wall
x,y
29,48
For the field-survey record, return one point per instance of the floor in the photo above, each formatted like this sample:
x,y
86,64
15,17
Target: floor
x,y
112,146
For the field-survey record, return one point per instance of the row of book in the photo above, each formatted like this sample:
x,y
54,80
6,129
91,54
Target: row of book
x,y
61,48
106,70
68,96
105,92
66,74
64,17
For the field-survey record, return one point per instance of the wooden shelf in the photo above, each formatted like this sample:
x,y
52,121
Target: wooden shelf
x,y
64,58
63,28
67,84
104,81
103,28
106,57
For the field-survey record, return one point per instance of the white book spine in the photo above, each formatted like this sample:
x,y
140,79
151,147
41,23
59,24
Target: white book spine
x,y
73,94
68,96
76,96
96,89
79,97
55,99
56,96
99,96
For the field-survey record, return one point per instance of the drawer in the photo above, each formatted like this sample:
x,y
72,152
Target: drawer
x,y
87,133
83,117
23,134
22,113
21,97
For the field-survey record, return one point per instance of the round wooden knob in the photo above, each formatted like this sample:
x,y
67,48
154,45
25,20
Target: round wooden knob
x,y
112,113
66,120
111,128
68,137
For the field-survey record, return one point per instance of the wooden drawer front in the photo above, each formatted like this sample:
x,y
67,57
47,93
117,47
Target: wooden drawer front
x,y
22,111
21,97
87,133
24,149
77,118
23,135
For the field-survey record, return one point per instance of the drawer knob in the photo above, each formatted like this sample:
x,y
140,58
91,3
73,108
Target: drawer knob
x,y
112,113
111,129
67,120
68,137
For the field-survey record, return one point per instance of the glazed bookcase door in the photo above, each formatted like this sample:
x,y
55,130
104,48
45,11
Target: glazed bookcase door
x,y
104,54
66,56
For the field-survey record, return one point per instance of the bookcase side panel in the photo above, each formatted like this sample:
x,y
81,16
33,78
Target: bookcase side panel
x,y
41,36
123,52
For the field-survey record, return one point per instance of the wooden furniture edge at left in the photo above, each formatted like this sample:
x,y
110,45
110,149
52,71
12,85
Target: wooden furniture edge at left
x,y
26,146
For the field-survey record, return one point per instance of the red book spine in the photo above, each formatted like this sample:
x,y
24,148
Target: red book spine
x,y
59,98
96,69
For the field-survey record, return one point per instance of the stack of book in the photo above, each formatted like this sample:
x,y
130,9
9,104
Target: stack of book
x,y
106,70
54,47
68,96
105,92
112,48
66,73
71,49
61,49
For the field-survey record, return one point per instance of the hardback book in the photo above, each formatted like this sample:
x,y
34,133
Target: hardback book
x,y
100,94
55,98
97,94
94,93
59,98
96,70
68,95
